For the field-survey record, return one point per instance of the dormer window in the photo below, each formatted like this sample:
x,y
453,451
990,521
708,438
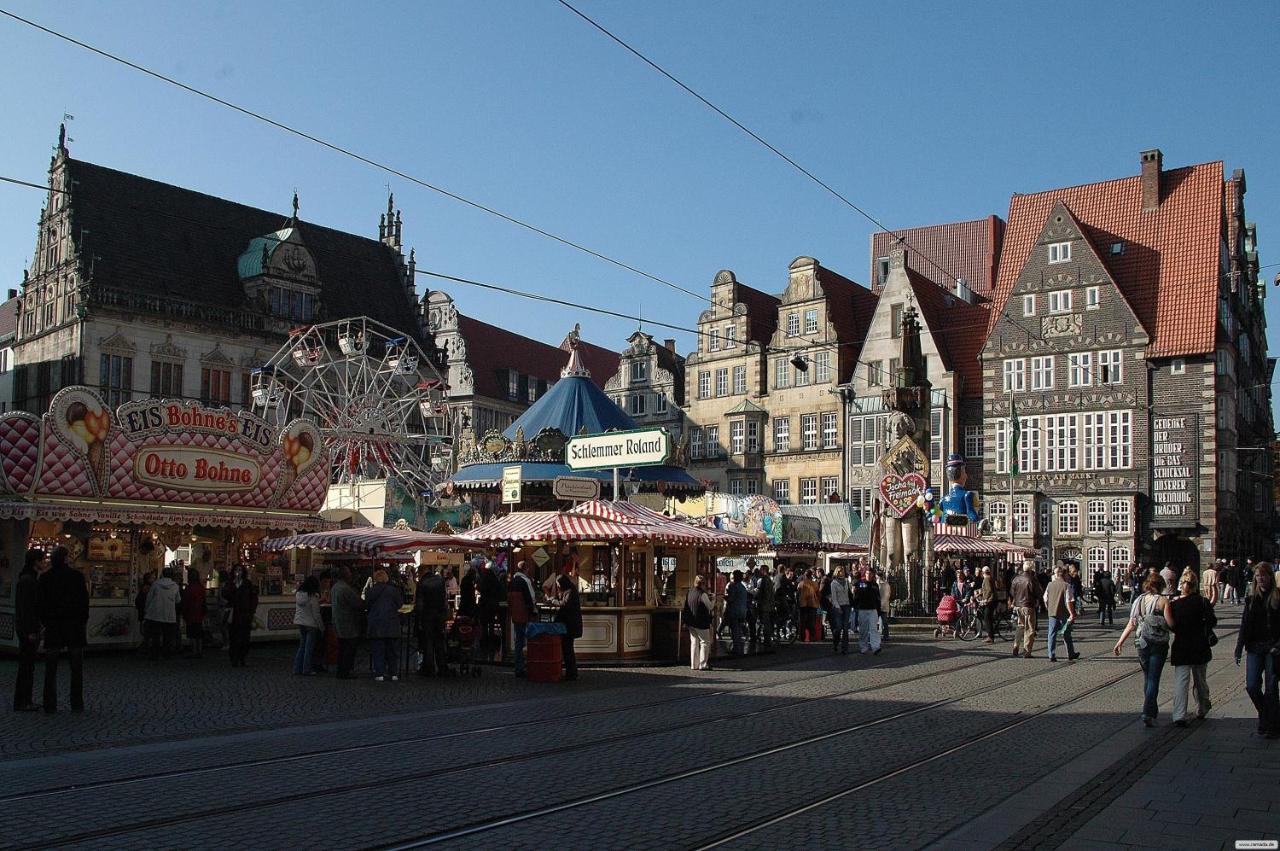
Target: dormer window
x,y
1059,252
291,304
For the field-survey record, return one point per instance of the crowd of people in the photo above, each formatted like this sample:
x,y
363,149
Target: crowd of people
x,y
815,602
1172,620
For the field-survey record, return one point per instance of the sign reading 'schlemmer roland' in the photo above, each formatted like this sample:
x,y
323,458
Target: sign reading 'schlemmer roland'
x,y
640,448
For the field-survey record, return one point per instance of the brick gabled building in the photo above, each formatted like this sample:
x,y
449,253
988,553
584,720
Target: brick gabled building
x,y
1117,328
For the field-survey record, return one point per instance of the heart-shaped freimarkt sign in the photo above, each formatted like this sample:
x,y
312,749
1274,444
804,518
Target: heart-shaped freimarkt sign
x,y
900,492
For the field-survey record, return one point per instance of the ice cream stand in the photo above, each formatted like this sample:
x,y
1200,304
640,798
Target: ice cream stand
x,y
123,489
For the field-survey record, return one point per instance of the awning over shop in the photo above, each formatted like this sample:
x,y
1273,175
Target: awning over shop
x,y
669,529
602,520
557,526
369,541
161,515
964,545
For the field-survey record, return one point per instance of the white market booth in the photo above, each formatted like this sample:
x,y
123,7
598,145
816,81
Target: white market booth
x,y
635,568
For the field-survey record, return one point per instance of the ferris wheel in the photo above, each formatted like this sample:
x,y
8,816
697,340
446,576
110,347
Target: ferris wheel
x,y
379,402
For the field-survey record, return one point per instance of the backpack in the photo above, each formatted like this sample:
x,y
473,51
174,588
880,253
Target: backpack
x,y
1153,629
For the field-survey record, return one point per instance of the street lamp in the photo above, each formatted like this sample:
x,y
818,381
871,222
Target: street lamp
x,y
1106,560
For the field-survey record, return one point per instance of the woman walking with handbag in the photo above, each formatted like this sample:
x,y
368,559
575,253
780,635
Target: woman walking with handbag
x,y
1259,638
1146,618
1191,618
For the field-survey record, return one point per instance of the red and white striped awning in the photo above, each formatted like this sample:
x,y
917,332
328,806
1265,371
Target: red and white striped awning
x,y
965,545
369,541
601,520
667,529
557,526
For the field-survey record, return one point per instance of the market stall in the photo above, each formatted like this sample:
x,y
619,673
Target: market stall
x,y
127,491
633,565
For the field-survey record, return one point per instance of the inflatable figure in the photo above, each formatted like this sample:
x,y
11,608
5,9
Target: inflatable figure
x,y
960,505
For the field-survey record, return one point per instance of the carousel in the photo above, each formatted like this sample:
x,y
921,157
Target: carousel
x,y
533,447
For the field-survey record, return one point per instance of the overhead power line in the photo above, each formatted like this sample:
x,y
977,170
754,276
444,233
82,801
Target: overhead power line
x,y
347,152
751,133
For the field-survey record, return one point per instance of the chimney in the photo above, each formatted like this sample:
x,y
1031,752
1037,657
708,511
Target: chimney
x,y
14,294
669,343
1152,162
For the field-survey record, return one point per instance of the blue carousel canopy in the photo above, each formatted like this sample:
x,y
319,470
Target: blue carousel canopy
x,y
572,403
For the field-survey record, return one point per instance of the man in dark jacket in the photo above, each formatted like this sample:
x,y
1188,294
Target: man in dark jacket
x,y
242,601
764,601
520,608
492,595
62,598
1025,593
430,608
1104,591
27,625
737,604
348,618
570,614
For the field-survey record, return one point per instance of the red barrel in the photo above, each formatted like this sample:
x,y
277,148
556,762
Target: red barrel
x,y
543,660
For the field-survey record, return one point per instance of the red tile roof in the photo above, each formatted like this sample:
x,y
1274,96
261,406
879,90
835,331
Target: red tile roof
x,y
968,250
492,351
9,318
958,329
1169,269
762,313
850,307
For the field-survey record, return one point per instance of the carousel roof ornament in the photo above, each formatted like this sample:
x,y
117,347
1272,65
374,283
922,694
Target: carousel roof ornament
x,y
575,368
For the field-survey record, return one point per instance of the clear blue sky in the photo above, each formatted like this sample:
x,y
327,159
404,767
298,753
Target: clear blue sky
x,y
920,112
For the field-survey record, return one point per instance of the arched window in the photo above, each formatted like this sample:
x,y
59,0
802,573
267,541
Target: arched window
x,y
1096,561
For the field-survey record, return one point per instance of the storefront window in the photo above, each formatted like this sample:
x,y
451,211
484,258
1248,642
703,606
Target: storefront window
x,y
633,581
664,578
602,578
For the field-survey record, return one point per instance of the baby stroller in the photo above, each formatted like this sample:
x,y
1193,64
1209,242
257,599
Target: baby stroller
x,y
461,645
948,613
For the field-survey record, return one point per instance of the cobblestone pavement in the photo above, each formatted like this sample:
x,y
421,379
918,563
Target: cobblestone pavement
x,y
930,742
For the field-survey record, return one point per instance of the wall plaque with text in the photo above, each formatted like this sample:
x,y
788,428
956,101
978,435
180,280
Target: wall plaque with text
x,y
1175,470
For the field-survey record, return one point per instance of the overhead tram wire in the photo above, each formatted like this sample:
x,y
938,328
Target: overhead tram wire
x,y
751,133
347,152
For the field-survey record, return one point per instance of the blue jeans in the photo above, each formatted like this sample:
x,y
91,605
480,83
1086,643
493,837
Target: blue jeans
x,y
840,627
1060,628
386,656
304,659
519,630
1261,684
1151,658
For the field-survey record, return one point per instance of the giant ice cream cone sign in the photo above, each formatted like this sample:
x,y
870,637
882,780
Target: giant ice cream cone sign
x,y
82,421
300,442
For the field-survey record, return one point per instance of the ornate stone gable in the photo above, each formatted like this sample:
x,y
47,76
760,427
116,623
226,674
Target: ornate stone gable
x,y
117,343
168,349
